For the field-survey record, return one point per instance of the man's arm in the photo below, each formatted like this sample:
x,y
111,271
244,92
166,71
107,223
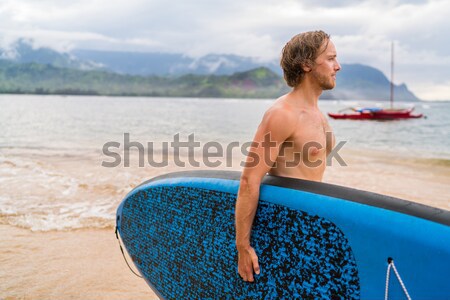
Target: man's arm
x,y
277,125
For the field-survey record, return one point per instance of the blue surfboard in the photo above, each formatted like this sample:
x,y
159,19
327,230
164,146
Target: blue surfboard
x,y
314,240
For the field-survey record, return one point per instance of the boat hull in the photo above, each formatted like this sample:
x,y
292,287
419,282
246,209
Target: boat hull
x,y
377,115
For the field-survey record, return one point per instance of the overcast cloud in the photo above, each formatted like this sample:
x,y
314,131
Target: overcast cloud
x,y
361,30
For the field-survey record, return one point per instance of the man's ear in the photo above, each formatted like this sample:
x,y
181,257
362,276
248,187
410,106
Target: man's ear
x,y
306,67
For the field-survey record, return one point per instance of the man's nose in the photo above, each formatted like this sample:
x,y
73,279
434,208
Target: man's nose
x,y
337,67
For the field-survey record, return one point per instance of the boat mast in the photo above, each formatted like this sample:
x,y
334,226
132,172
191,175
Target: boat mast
x,y
392,75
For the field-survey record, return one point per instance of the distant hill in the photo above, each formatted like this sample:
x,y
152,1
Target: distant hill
x,y
23,52
163,64
41,70
35,78
360,82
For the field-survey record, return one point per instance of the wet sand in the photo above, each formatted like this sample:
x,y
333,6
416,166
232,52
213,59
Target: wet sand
x,y
81,264
419,180
87,263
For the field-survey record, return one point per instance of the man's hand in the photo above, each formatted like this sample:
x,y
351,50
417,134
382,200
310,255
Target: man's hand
x,y
247,263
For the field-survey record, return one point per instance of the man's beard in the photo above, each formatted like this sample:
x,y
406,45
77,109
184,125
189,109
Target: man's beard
x,y
325,82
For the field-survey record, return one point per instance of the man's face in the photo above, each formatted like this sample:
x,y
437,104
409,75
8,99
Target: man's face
x,y
326,66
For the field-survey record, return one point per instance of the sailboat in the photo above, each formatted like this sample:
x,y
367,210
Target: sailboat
x,y
377,113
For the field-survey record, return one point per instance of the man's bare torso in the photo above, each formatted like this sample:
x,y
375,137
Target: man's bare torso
x,y
303,154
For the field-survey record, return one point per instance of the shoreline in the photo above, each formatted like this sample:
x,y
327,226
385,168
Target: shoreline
x,y
61,192
270,97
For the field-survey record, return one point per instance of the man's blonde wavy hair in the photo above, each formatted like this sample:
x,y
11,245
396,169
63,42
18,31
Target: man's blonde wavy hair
x,y
301,51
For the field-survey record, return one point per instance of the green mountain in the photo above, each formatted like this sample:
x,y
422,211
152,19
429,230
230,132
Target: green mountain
x,y
46,79
358,83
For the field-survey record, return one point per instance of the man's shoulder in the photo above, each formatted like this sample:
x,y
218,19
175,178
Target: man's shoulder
x,y
285,111
281,113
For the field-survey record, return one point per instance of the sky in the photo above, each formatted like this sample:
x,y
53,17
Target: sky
x,y
362,30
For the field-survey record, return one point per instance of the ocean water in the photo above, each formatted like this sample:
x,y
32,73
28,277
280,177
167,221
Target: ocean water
x,y
72,124
52,147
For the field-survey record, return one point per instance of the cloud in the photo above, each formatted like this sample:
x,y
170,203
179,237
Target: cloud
x,y
439,92
361,30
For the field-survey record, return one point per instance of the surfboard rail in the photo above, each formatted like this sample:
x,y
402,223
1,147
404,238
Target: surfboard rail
x,y
419,210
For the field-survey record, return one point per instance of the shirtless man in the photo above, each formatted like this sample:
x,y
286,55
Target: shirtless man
x,y
291,140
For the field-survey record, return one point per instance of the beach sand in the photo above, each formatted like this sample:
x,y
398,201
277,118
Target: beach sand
x,y
80,264
419,180
87,263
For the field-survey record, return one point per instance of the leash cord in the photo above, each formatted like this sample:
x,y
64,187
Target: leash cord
x,y
123,254
391,264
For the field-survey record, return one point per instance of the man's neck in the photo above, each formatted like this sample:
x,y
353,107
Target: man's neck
x,y
308,93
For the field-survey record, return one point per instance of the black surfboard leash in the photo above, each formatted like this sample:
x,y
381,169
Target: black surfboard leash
x,y
123,254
